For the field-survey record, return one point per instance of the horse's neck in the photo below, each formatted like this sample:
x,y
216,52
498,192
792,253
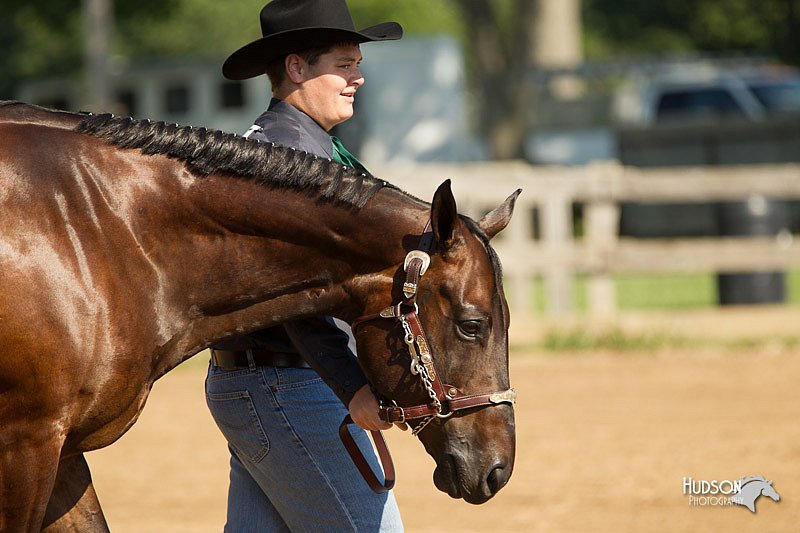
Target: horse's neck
x,y
268,255
23,113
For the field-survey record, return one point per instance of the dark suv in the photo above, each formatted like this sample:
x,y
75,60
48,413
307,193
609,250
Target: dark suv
x,y
699,94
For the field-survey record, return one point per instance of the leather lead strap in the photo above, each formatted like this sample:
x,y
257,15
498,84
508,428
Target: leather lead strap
x,y
361,463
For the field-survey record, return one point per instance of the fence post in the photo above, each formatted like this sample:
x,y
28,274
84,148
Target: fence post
x,y
518,281
602,224
556,219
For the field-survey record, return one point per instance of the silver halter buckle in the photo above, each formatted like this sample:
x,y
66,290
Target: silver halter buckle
x,y
418,254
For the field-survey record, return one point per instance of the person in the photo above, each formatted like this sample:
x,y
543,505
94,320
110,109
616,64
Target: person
x,y
279,395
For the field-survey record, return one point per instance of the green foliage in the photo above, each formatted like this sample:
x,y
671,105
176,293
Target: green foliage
x,y
678,291
672,293
631,27
579,339
198,28
36,39
43,37
416,16
659,292
640,292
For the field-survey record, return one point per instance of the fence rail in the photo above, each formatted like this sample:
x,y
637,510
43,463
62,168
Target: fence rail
x,y
558,257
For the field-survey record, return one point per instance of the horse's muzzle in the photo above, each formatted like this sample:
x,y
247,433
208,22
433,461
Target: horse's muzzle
x,y
460,481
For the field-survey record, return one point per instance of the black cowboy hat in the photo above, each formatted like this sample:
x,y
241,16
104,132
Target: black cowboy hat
x,y
293,25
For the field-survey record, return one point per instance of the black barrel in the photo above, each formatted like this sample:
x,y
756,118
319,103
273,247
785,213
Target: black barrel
x,y
754,217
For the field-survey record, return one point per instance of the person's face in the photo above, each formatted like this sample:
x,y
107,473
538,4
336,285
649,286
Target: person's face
x,y
326,90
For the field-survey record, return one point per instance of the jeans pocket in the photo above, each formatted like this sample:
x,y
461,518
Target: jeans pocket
x,y
238,421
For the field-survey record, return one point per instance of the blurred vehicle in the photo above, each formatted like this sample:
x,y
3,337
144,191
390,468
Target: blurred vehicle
x,y
576,132
702,93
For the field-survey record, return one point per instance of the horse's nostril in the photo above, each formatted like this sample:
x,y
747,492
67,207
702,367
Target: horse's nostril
x,y
497,478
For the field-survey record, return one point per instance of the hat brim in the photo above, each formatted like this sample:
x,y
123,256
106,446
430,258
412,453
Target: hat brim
x,y
252,59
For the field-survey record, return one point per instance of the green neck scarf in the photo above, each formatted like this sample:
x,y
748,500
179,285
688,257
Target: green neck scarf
x,y
343,156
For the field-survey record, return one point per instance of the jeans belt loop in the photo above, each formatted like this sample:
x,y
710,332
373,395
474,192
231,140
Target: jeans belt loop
x,y
250,360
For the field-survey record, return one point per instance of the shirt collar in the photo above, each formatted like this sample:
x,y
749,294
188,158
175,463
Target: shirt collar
x,y
314,130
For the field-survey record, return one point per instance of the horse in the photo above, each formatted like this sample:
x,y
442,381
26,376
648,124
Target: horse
x,y
752,487
127,246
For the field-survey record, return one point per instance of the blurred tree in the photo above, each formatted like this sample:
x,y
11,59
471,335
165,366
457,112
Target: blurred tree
x,y
36,39
212,28
499,55
97,27
507,41
43,37
631,27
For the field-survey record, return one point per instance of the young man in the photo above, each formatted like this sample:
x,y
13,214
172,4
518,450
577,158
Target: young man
x,y
289,471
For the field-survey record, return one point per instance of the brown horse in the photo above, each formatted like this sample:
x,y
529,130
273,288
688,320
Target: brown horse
x,y
127,246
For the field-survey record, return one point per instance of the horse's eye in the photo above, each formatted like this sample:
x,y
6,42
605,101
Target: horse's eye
x,y
470,328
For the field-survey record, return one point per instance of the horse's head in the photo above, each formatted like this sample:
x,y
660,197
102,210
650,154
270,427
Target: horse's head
x,y
448,340
768,490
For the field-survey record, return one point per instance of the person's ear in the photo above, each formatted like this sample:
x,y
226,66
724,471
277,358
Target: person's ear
x,y
295,68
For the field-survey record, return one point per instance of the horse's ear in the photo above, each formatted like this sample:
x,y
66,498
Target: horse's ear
x,y
443,214
497,219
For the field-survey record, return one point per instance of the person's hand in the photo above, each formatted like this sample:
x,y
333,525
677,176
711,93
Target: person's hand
x,y
364,411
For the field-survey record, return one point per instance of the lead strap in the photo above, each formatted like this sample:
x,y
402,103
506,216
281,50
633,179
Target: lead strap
x,y
361,463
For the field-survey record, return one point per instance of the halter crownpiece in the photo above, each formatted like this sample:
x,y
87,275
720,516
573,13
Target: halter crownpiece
x,y
410,286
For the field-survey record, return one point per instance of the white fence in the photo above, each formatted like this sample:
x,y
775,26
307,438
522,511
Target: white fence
x,y
557,257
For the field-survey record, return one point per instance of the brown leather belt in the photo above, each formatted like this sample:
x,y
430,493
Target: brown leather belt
x,y
230,359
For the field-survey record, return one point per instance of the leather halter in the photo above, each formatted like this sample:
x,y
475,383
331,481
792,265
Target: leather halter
x,y
445,399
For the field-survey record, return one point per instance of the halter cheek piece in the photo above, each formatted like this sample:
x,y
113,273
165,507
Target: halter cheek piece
x,y
445,399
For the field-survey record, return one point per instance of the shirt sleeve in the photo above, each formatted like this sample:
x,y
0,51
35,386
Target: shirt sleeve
x,y
324,346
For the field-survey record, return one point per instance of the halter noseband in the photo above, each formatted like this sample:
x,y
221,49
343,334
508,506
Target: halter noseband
x,y
445,399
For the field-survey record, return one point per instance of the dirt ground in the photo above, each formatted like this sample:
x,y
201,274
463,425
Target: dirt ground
x,y
604,442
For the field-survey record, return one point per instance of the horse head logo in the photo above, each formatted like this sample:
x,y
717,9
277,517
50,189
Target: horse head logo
x,y
751,488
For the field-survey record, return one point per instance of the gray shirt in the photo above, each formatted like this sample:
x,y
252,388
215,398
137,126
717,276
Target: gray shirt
x,y
318,339
286,125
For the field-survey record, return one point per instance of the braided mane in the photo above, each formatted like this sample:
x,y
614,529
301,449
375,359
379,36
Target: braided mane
x,y
208,151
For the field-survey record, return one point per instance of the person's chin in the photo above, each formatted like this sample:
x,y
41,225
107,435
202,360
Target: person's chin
x,y
346,113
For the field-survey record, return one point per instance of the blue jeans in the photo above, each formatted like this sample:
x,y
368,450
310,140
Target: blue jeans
x,y
289,470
